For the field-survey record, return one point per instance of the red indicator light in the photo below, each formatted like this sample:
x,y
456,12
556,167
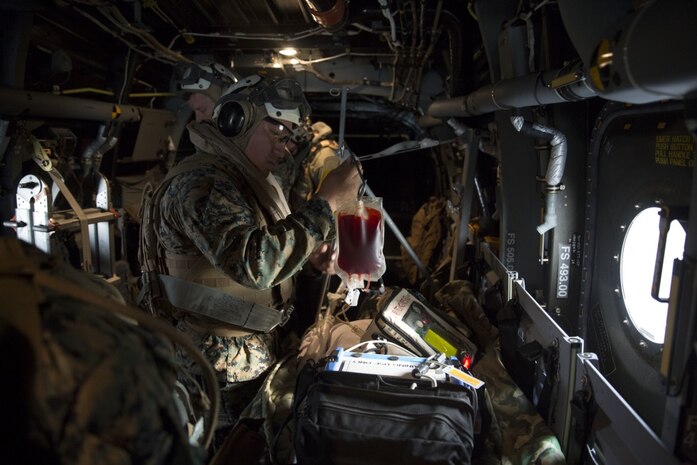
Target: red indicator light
x,y
467,362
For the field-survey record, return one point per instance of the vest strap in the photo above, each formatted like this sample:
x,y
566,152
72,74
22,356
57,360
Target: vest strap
x,y
227,308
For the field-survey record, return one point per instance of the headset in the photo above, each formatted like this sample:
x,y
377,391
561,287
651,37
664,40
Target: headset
x,y
237,110
234,113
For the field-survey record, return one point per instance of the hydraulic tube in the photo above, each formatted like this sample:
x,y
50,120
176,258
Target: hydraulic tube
x,y
92,156
14,103
108,145
388,15
555,167
88,154
550,213
562,85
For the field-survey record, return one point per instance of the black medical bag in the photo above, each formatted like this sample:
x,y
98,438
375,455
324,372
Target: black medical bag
x,y
346,418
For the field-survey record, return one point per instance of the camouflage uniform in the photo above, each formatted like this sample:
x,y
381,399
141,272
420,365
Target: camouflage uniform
x,y
102,389
286,172
214,214
519,435
459,297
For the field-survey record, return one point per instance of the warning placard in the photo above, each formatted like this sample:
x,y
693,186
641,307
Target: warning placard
x,y
675,150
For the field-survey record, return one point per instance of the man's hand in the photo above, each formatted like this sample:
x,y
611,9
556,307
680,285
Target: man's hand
x,y
322,259
341,184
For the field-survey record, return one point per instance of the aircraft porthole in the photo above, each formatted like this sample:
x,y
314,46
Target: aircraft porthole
x,y
637,260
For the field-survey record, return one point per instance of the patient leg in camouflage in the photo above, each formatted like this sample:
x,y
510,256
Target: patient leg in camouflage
x,y
525,437
458,296
519,435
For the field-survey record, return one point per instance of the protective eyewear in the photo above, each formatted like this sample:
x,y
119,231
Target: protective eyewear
x,y
279,132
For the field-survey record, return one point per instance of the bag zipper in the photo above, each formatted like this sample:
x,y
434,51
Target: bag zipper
x,y
341,408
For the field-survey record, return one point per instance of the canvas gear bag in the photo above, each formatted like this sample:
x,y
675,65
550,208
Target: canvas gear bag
x,y
349,418
427,236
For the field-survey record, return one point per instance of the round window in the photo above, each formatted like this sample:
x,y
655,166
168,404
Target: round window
x,y
636,272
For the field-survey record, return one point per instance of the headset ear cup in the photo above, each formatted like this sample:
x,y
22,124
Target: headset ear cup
x,y
232,118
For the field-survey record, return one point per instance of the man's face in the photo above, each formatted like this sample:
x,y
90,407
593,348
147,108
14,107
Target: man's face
x,y
202,106
268,145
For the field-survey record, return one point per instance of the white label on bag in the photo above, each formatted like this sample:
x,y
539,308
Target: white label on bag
x,y
352,297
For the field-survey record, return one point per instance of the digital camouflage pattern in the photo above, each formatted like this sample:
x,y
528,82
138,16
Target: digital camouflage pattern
x,y
285,173
234,359
105,392
271,408
519,435
207,211
459,297
103,387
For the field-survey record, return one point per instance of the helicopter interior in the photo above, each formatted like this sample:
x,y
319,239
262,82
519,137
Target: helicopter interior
x,y
557,138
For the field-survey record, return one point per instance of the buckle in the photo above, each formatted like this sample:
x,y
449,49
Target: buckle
x,y
285,314
151,284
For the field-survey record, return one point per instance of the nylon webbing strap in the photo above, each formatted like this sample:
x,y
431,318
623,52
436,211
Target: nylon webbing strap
x,y
211,303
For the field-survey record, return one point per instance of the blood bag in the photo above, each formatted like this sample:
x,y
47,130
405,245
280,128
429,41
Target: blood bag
x,y
360,231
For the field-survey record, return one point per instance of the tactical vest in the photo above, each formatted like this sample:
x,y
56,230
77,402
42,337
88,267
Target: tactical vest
x,y
189,287
324,161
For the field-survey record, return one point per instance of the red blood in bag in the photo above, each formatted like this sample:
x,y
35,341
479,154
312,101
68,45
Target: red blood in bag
x,y
360,242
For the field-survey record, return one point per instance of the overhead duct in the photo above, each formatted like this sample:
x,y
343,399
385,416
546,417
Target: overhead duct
x,y
562,85
330,14
650,57
588,21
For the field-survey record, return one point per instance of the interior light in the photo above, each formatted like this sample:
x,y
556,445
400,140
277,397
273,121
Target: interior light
x,y
288,52
276,64
293,61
